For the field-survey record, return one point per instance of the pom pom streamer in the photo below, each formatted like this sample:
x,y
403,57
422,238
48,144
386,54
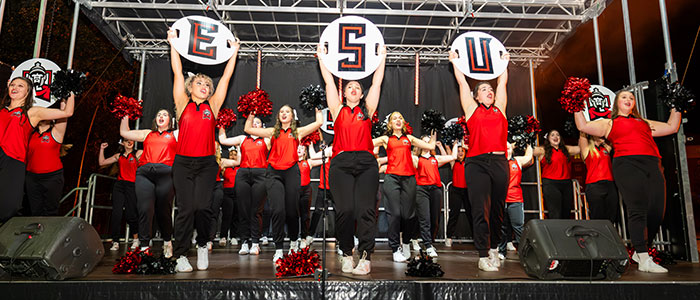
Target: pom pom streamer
x,y
67,82
451,133
256,101
570,129
575,92
226,118
126,106
409,129
143,262
423,266
432,120
378,128
674,95
298,263
311,138
523,130
313,97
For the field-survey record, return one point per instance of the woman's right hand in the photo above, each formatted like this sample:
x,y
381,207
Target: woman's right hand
x,y
452,56
320,50
172,34
103,145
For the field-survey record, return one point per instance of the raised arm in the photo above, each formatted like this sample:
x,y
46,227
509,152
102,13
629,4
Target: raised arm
x,y
219,96
669,127
573,150
600,127
106,161
59,128
332,96
313,155
230,141
441,148
230,163
310,128
583,145
381,141
465,93
38,113
179,94
134,135
261,132
423,145
443,159
372,98
525,160
501,91
538,152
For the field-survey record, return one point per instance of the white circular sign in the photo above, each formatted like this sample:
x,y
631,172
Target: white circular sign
x,y
480,55
202,40
327,126
42,73
353,47
600,104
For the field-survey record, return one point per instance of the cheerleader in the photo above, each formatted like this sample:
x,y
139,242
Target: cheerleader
x,y
399,188
353,173
153,181
229,216
123,191
283,177
636,169
514,214
601,193
44,179
250,188
486,167
459,197
429,191
323,193
194,167
17,121
557,189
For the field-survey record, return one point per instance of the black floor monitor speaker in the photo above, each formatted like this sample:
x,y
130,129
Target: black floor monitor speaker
x,y
572,249
53,248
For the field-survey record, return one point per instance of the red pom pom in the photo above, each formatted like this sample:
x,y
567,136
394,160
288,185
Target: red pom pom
x,y
256,101
409,129
375,118
462,121
226,118
533,125
576,91
126,106
129,263
302,262
311,138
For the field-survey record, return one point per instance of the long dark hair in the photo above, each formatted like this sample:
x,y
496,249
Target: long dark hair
x,y
548,148
362,104
28,101
154,124
278,124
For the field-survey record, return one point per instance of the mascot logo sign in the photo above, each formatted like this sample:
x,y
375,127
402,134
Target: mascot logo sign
x,y
41,72
600,103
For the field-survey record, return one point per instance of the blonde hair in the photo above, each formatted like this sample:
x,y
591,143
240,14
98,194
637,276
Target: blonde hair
x,y
592,149
389,130
207,79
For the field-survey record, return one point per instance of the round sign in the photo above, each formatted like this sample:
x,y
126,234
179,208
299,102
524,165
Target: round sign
x,y
41,72
600,103
353,47
202,40
327,126
480,55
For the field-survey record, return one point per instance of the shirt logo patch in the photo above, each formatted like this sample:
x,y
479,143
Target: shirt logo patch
x,y
360,116
16,114
168,136
131,159
206,114
405,142
290,135
259,143
45,139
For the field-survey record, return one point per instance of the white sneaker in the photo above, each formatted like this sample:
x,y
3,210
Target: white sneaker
x,y
647,264
363,266
406,250
340,252
356,241
431,252
510,246
150,243
222,242
244,249
398,256
233,242
309,240
135,244
501,257
255,249
145,249
264,241
302,243
210,246
347,264
448,242
485,265
202,258
115,246
168,249
183,265
279,253
293,246
416,246
493,258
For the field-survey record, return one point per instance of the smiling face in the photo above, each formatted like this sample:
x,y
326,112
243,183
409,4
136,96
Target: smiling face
x,y
128,144
554,138
286,115
625,103
257,123
301,152
460,153
396,121
484,93
353,92
163,119
232,154
19,89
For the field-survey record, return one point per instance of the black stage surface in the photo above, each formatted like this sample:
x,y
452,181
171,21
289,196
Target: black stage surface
x,y
233,276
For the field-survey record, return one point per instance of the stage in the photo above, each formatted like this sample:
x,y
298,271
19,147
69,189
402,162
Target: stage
x,y
233,276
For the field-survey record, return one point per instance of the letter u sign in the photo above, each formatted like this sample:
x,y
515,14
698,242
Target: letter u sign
x,y
479,55
203,40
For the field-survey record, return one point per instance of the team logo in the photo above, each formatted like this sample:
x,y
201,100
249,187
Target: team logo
x,y
17,114
290,135
131,159
433,161
41,72
168,136
405,142
203,40
600,103
514,167
45,139
327,126
259,143
353,47
479,55
206,114
360,116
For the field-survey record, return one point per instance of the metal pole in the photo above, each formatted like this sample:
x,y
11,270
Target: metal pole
x,y
598,57
628,42
39,28
682,159
537,139
2,12
73,31
141,72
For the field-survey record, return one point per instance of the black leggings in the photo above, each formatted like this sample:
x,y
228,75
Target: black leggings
x,y
154,197
304,206
283,192
318,210
217,201
558,197
250,196
602,200
354,180
459,198
428,203
487,178
43,192
400,203
123,199
194,179
643,189
11,185
229,218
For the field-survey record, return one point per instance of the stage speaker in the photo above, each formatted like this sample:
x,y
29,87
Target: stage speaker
x,y
52,248
572,249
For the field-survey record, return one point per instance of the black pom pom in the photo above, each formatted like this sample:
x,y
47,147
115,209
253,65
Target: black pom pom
x,y
312,97
432,120
378,128
522,131
451,133
423,266
570,129
67,82
674,95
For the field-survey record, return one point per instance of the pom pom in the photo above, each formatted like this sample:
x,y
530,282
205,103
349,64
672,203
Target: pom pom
x,y
298,263
663,258
129,263
432,120
311,138
126,106
423,266
67,82
575,92
143,262
256,101
226,118
409,129
378,128
674,95
313,97
451,133
570,129
523,130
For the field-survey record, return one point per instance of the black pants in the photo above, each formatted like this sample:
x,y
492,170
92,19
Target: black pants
x,y
602,200
459,198
154,198
250,196
217,201
229,218
487,178
318,210
400,203
12,186
283,192
558,196
354,180
304,206
643,189
123,199
194,179
428,203
43,192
